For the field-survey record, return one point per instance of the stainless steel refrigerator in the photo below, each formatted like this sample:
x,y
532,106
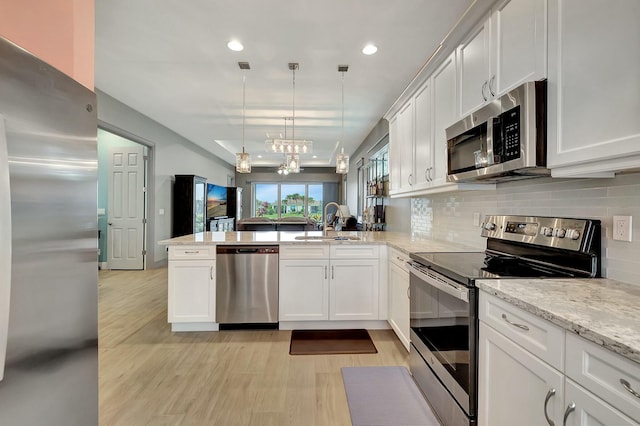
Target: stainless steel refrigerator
x,y
48,245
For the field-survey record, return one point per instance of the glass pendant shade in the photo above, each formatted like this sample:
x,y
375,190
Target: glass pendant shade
x,y
243,162
342,162
293,163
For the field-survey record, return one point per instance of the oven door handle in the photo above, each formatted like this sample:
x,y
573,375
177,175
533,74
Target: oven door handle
x,y
461,292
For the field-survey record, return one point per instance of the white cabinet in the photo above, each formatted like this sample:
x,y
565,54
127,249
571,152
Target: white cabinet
x,y
403,149
191,284
585,409
329,282
593,126
506,49
604,373
353,289
399,296
528,369
304,290
513,384
417,137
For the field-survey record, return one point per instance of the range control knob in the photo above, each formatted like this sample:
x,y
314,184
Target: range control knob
x,y
546,231
489,226
573,234
559,232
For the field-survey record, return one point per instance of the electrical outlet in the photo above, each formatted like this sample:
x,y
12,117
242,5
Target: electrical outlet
x,y
622,228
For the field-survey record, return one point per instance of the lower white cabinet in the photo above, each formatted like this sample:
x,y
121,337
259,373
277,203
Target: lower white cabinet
x,y
514,386
353,289
318,283
399,297
585,409
191,284
304,290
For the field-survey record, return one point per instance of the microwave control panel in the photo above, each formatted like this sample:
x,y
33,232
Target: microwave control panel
x,y
510,126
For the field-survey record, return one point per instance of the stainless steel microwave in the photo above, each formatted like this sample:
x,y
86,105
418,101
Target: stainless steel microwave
x,y
506,139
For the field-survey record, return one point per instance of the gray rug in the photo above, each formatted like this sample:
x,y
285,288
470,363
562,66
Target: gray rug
x,y
385,396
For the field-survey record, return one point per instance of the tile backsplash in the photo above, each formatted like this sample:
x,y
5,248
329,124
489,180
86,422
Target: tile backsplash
x,y
449,216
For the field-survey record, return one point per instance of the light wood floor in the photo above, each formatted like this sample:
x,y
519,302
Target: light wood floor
x,y
150,376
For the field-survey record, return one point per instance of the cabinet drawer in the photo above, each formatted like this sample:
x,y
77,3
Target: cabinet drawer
x,y
299,251
399,258
192,252
348,251
601,371
538,336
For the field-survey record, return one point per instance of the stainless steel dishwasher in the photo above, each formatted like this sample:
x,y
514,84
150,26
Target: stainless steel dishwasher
x,y
247,286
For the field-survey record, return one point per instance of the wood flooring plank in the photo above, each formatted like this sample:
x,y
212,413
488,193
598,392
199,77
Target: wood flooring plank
x,y
151,376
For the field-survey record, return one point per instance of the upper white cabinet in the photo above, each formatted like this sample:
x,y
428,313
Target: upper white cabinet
x,y
417,137
594,87
508,48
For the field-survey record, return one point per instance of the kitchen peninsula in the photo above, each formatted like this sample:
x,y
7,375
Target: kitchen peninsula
x,y
338,280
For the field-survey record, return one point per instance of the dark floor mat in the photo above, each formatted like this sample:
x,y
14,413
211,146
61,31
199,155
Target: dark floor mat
x,y
327,342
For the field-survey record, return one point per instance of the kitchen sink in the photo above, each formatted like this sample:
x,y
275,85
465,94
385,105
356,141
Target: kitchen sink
x,y
326,238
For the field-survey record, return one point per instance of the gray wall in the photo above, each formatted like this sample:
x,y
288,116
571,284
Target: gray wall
x,y
397,210
170,154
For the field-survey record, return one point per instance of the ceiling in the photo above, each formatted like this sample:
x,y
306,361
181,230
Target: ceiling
x,y
169,60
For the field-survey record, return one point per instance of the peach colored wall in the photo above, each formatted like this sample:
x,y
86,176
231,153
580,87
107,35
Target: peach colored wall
x,y
60,32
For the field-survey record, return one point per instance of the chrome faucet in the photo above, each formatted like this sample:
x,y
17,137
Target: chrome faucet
x,y
324,217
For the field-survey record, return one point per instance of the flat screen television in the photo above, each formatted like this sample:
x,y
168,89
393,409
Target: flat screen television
x,y
216,201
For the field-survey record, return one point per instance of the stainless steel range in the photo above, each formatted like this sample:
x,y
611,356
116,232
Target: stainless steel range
x,y
444,299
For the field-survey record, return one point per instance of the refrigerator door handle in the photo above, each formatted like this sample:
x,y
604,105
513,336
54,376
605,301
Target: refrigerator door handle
x,y
5,245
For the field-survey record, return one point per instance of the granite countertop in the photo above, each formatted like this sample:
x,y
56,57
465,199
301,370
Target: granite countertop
x,y
604,311
398,240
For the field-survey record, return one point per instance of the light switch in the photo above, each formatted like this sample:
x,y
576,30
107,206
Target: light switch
x,y
160,212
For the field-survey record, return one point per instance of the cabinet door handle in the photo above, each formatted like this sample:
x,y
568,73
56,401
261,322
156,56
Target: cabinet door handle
x,y
325,272
523,327
546,401
629,389
211,271
484,87
410,179
191,251
570,409
430,177
331,271
408,293
491,83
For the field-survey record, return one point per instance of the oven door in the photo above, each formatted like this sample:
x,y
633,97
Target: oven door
x,y
443,320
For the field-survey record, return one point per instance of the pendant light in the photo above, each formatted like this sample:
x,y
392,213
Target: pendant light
x,y
243,159
342,159
293,159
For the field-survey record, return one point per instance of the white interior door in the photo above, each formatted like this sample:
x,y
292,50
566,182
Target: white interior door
x,y
125,216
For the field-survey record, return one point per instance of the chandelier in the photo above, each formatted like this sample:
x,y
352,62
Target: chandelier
x,y
288,146
342,159
243,159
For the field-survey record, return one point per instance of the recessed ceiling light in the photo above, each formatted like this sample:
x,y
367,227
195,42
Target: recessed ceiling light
x,y
315,156
369,49
235,45
259,156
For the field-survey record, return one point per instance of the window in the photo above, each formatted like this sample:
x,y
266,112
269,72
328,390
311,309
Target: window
x,y
275,200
